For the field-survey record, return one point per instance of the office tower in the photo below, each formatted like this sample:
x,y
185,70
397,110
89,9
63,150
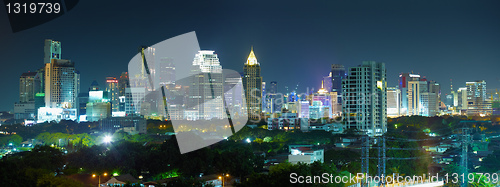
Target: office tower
x,y
112,89
98,106
27,86
364,91
81,110
328,82
166,74
403,87
476,98
252,83
205,92
233,93
263,98
338,74
393,102
123,83
435,88
273,87
461,96
52,50
415,89
133,107
61,84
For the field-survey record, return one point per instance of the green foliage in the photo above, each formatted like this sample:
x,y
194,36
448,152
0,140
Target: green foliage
x,y
15,139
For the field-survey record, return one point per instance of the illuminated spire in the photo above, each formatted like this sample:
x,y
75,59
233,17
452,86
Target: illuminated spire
x,y
322,90
252,60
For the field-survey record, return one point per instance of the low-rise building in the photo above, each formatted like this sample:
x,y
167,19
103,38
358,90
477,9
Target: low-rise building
x,y
305,154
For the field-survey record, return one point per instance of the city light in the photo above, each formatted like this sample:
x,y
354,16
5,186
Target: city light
x,y
248,140
115,174
107,139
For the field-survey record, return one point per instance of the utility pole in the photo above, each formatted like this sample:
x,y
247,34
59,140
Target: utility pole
x,y
384,160
463,162
365,159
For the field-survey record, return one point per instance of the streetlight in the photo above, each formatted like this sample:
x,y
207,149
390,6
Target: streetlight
x,y
99,176
107,139
222,178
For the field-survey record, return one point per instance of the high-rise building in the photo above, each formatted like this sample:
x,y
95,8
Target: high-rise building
x,y
252,83
327,82
112,89
263,94
233,93
476,98
123,83
415,90
365,94
435,88
61,84
27,87
461,96
393,102
403,87
166,75
338,74
52,50
206,91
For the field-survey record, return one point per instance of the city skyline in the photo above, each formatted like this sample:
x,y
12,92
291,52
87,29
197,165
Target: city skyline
x,y
461,35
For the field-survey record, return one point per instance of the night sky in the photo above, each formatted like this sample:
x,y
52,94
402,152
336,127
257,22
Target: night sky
x,y
295,41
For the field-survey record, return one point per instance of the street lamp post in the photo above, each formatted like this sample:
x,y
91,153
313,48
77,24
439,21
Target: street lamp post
x,y
222,178
99,178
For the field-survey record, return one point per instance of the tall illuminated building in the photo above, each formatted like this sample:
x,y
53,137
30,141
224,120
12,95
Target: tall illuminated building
x,y
206,91
365,94
27,87
113,92
26,109
123,82
61,84
461,95
393,102
415,91
252,83
321,104
476,98
52,50
327,82
403,87
338,74
263,98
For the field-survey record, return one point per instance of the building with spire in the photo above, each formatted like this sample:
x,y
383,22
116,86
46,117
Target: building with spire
x,y
252,84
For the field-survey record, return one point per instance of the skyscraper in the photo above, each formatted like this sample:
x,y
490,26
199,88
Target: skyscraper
x,y
166,75
415,91
27,87
476,98
337,75
327,82
61,84
205,93
252,83
364,91
393,102
52,50
403,87
112,89
123,83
